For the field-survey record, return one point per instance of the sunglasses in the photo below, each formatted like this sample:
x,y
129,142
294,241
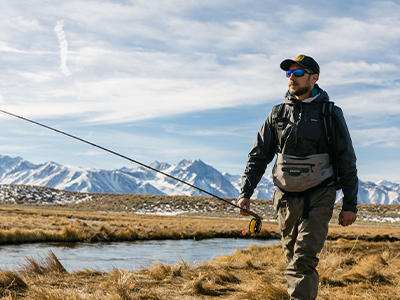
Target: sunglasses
x,y
297,72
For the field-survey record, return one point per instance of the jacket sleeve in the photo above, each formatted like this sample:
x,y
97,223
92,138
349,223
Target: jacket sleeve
x,y
260,155
346,160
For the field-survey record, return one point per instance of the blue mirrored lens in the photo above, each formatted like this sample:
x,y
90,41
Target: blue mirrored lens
x,y
297,72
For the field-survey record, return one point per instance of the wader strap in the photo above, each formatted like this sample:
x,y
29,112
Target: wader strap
x,y
278,121
279,130
305,194
277,208
327,121
306,207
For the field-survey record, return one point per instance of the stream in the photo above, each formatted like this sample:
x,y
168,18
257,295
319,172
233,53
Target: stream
x,y
124,255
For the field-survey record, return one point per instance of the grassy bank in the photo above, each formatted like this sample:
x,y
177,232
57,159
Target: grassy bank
x,y
348,270
27,224
358,262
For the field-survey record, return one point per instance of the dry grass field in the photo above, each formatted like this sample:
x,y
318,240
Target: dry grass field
x,y
357,262
347,271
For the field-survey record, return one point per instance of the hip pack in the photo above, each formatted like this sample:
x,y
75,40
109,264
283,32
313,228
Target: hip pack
x,y
298,174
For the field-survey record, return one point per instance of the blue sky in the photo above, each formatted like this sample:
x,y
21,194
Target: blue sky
x,y
188,79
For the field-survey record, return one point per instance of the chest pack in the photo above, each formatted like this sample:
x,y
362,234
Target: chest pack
x,y
288,171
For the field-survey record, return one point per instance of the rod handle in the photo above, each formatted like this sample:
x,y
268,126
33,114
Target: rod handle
x,y
252,214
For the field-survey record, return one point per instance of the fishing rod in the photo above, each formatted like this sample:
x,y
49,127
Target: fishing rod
x,y
255,223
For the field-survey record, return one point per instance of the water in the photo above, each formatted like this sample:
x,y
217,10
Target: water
x,y
124,255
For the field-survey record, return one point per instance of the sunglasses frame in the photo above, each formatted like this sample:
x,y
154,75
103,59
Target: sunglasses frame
x,y
290,72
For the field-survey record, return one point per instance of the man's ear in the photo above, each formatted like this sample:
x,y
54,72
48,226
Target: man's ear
x,y
315,78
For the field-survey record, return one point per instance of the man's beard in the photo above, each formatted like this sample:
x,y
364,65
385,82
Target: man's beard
x,y
301,91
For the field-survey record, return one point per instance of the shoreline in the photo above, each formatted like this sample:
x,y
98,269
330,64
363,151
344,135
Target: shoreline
x,y
361,262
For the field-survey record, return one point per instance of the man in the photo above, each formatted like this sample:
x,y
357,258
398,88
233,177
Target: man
x,y
304,173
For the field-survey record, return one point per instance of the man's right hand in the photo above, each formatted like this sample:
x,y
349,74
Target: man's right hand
x,y
244,203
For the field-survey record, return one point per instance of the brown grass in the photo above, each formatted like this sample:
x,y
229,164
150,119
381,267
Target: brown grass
x,y
11,284
348,270
20,224
359,262
49,265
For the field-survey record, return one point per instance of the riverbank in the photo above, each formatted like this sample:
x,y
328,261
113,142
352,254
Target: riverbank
x,y
348,270
21,224
359,262
28,224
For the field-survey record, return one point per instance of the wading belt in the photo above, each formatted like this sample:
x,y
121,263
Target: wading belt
x,y
305,194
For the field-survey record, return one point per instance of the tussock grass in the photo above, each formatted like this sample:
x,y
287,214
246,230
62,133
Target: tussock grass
x,y
265,290
32,225
88,273
369,270
360,271
223,277
201,287
158,271
348,270
124,284
11,284
44,266
361,262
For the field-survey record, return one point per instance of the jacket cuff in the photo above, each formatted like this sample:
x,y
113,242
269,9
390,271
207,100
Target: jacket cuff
x,y
349,207
244,195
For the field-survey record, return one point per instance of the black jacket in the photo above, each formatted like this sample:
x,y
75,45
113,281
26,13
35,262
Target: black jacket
x,y
303,135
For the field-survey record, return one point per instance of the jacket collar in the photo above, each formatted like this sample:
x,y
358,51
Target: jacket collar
x,y
318,95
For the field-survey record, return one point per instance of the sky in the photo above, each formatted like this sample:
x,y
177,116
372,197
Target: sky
x,y
170,80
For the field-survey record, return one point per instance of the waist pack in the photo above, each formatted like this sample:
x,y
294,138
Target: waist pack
x,y
298,174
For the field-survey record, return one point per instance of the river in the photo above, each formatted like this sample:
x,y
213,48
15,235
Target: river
x,y
124,255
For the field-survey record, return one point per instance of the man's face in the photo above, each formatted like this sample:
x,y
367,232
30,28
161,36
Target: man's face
x,y
301,86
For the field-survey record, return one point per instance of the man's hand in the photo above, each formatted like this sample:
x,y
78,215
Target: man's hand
x,y
346,218
244,203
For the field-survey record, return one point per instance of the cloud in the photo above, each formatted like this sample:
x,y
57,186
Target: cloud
x,y
163,60
38,77
344,73
6,48
382,137
187,62
28,25
63,47
370,105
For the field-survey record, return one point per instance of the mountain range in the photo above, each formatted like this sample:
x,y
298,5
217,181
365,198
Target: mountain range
x,y
139,180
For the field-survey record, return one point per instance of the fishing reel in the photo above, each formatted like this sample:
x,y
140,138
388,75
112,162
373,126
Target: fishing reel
x,y
255,225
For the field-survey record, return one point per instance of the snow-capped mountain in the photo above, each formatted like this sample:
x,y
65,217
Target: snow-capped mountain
x,y
125,180
139,180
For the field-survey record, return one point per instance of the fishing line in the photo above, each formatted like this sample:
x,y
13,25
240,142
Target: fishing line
x,y
74,154
42,139
255,223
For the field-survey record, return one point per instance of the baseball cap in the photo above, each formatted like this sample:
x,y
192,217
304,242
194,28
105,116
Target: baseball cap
x,y
303,60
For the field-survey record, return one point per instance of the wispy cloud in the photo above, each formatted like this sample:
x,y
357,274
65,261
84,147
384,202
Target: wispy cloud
x,y
142,61
381,137
63,47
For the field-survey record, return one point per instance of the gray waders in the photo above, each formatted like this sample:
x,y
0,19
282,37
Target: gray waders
x,y
303,219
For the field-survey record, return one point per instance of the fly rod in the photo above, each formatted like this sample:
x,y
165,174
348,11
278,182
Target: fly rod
x,y
255,223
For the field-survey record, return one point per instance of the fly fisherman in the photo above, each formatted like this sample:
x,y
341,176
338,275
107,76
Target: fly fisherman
x,y
304,173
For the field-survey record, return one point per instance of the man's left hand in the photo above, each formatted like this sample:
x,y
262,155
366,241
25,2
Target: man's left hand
x,y
346,218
